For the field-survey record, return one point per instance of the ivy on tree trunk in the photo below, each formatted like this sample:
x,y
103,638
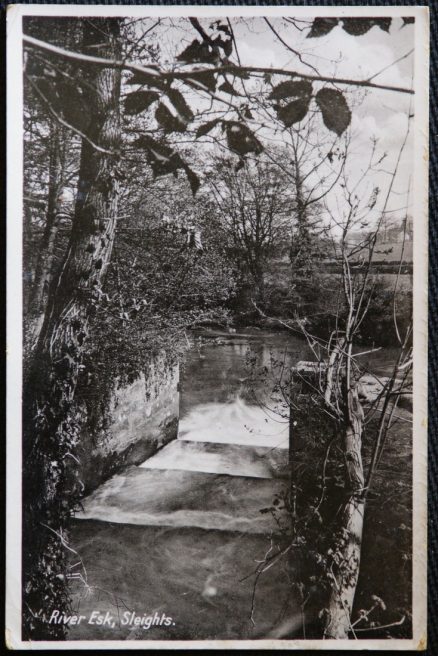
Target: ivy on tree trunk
x,y
51,418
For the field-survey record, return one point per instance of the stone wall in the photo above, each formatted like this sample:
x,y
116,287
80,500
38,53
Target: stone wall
x,y
142,418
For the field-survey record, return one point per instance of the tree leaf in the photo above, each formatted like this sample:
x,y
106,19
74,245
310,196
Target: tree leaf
x,y
222,27
225,44
240,164
293,112
198,51
164,160
206,127
291,89
158,153
206,79
360,26
168,121
322,26
384,23
227,87
138,101
180,105
334,109
193,179
241,139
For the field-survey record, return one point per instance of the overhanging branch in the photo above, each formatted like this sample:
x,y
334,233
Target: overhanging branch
x,y
181,75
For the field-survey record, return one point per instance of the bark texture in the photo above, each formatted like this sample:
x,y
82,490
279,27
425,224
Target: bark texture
x,y
51,420
346,558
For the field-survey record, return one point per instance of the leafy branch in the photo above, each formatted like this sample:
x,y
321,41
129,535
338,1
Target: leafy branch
x,y
155,73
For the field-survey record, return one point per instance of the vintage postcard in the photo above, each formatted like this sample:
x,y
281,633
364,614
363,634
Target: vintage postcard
x,y
217,288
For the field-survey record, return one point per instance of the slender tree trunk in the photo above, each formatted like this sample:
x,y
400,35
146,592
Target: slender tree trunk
x,y
346,563
51,420
259,279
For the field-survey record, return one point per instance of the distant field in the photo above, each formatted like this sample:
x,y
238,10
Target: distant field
x,y
279,273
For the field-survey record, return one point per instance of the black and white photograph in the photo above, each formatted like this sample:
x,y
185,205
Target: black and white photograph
x,y
217,290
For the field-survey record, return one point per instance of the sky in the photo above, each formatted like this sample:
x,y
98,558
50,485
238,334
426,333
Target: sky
x,y
379,114
376,113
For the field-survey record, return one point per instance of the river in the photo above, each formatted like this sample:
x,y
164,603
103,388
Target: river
x,y
183,532
221,398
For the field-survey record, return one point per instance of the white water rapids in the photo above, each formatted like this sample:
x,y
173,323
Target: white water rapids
x,y
235,422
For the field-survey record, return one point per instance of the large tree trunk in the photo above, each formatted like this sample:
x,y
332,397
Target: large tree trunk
x,y
346,559
51,420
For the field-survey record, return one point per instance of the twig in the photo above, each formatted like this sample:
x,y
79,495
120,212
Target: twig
x,y
383,626
286,45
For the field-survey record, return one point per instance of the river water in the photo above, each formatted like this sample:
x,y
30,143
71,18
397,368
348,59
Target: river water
x,y
226,388
182,533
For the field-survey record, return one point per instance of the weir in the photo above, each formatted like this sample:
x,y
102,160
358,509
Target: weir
x,y
202,498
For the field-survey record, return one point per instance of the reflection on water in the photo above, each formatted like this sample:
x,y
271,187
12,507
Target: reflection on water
x,y
221,401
